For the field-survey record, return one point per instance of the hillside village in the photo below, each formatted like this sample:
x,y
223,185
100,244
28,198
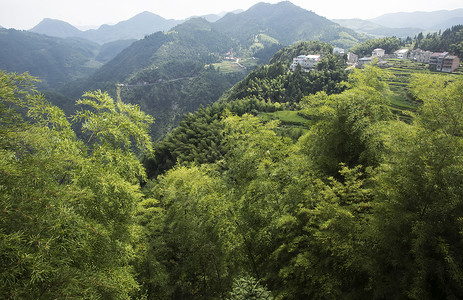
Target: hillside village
x,y
437,61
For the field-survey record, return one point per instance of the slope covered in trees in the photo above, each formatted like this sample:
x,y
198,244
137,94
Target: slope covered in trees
x,y
56,61
67,203
450,40
287,23
268,88
362,206
353,210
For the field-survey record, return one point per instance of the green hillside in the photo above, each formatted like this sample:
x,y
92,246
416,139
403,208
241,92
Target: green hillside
x,y
55,61
56,28
368,27
167,74
286,23
244,199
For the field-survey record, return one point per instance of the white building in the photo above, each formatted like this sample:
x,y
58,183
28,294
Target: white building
x,y
307,62
378,52
402,53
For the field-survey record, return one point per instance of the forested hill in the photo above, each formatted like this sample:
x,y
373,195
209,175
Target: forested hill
x,y
167,74
54,60
287,23
134,28
269,88
361,206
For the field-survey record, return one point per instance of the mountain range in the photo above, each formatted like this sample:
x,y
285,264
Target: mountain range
x,y
374,29
134,28
393,24
404,24
172,73
261,30
436,20
54,60
167,67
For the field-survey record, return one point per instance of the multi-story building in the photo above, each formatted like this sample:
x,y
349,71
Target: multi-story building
x,y
402,53
436,59
443,62
352,58
450,63
307,62
421,56
378,52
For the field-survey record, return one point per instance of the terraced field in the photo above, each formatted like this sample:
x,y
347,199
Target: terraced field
x,y
403,71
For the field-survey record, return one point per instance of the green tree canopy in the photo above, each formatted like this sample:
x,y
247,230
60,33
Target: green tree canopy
x,y
67,204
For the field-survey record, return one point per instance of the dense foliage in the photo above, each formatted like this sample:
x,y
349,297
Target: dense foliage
x,y
362,206
67,204
199,136
390,44
450,40
354,210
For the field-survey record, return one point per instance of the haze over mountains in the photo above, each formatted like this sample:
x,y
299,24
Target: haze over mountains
x,y
405,24
134,28
400,24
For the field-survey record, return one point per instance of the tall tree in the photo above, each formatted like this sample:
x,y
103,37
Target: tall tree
x,y
345,122
67,204
419,198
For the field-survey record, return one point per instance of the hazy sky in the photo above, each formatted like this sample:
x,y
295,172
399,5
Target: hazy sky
x,y
25,14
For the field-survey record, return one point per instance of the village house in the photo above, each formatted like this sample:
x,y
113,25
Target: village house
x,y
450,63
378,52
307,62
364,61
436,60
420,56
443,62
352,59
401,54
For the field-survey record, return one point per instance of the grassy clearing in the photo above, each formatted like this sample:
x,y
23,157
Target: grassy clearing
x,y
292,125
287,117
228,66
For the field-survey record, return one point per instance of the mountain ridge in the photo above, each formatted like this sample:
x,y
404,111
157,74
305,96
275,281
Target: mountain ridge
x,y
420,19
56,28
286,23
401,24
371,28
136,27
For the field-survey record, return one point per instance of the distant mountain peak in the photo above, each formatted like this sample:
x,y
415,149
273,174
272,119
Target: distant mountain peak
x,y
145,15
420,19
287,23
57,28
136,27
